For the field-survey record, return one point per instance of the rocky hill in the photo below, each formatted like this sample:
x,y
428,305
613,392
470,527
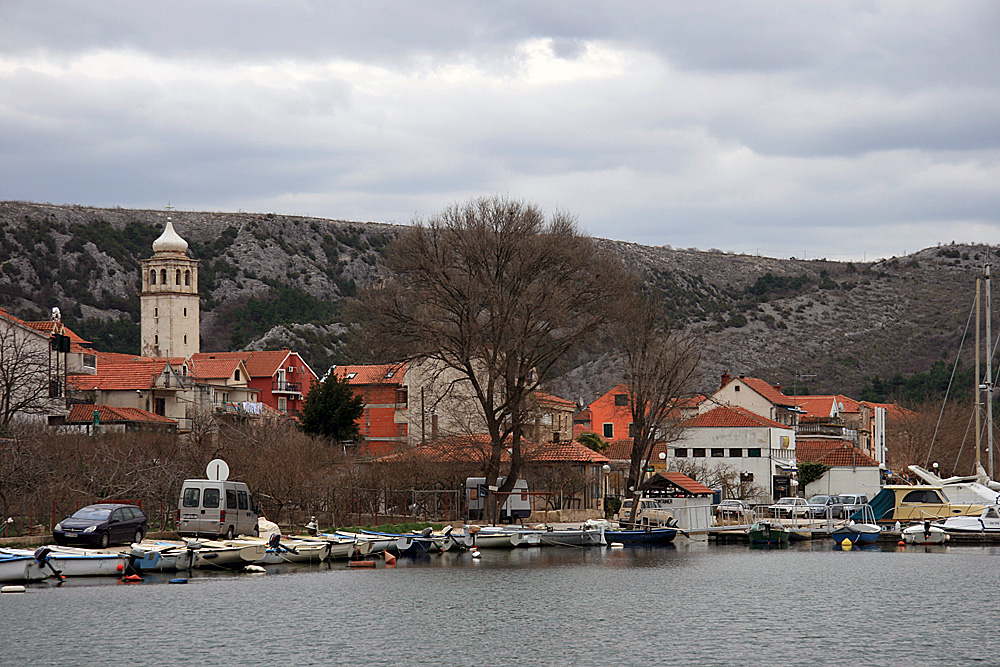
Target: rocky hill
x,y
272,280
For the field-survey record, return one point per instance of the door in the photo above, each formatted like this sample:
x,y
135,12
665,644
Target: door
x,y
211,510
118,526
232,513
247,520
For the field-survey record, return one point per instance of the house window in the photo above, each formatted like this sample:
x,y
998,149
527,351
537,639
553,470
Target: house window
x,y
753,453
698,452
160,406
736,453
609,431
621,399
283,404
237,370
736,388
717,453
631,430
401,397
681,452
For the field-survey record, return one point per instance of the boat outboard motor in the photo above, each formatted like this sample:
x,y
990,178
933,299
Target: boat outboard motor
x,y
136,553
274,542
42,557
426,532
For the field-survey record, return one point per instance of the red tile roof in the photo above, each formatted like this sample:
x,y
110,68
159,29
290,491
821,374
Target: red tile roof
x,y
684,482
372,373
259,363
49,325
891,409
621,450
566,451
831,452
140,373
84,414
822,405
766,390
549,399
731,416
210,368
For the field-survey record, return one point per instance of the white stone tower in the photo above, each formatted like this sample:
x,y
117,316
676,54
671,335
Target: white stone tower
x,y
170,303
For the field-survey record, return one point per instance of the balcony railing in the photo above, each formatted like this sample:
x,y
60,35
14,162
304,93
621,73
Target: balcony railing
x,y
284,385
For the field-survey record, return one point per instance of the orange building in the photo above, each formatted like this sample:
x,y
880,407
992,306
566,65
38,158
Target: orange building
x,y
383,424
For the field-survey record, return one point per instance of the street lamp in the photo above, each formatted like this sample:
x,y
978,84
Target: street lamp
x,y
935,465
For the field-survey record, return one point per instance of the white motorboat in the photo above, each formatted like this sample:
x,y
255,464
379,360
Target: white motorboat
x,y
987,522
925,533
22,565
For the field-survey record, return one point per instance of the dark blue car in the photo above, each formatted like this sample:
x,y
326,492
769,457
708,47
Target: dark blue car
x,y
101,525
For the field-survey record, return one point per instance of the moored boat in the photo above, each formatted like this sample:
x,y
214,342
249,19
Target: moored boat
x,y
857,533
987,522
925,533
648,536
571,537
768,533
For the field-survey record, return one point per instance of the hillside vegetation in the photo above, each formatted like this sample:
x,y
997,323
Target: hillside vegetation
x,y
269,280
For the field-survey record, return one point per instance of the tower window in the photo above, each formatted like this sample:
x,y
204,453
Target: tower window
x,y
187,277
156,340
163,276
177,279
185,312
156,312
152,277
185,339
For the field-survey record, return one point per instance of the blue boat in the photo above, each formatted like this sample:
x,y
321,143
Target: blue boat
x,y
857,533
648,536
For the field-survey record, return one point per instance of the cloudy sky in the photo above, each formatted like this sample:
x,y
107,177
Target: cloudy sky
x,y
847,130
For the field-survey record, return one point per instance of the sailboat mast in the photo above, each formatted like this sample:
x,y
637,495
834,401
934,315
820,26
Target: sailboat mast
x,y
989,374
978,393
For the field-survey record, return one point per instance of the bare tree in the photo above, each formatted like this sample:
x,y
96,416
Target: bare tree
x,y
24,378
497,293
660,363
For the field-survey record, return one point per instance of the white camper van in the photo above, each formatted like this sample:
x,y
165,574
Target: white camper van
x,y
213,508
516,506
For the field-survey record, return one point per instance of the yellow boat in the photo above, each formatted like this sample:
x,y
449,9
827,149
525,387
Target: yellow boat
x,y
917,503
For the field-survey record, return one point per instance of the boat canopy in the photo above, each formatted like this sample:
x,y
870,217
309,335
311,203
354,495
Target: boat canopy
x,y
882,505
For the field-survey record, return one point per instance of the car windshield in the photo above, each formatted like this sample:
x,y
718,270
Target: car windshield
x,y
93,513
819,500
787,501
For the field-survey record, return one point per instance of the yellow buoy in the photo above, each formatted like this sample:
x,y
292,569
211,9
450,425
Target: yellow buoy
x,y
846,544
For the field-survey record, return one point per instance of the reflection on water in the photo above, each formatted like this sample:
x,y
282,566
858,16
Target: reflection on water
x,y
689,604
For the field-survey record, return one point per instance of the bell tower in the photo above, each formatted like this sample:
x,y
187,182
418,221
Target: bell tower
x,y
170,303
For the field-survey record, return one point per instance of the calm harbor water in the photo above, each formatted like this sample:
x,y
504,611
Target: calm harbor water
x,y
693,604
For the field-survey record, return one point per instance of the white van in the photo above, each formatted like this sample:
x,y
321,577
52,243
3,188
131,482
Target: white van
x,y
214,508
516,506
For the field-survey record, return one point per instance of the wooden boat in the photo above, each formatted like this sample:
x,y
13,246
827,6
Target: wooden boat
x,y
916,503
648,536
925,533
768,533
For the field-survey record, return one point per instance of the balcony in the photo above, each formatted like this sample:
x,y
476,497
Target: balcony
x,y
283,386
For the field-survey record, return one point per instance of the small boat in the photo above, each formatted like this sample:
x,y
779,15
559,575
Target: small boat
x,y
75,562
769,533
571,537
925,533
865,531
502,538
288,550
857,533
647,536
987,522
24,565
364,545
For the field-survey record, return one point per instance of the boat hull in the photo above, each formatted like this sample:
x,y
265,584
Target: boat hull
x,y
768,534
653,536
857,534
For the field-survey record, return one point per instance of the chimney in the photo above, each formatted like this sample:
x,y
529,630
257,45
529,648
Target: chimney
x,y
777,387
725,379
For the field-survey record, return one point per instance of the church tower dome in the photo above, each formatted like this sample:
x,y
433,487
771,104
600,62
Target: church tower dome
x,y
170,241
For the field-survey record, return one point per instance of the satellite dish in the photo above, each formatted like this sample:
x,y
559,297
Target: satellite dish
x,y
218,470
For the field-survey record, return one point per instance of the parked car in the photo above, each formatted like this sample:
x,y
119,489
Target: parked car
x,y
732,511
790,507
102,524
826,507
852,502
